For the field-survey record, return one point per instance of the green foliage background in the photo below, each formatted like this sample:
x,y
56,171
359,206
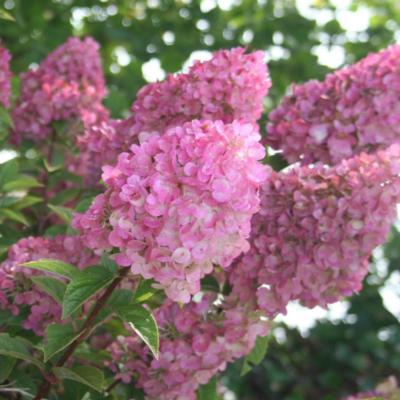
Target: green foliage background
x,y
334,359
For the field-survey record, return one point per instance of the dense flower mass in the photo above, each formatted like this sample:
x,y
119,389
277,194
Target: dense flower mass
x,y
197,341
68,85
16,288
229,86
178,203
5,77
354,109
317,228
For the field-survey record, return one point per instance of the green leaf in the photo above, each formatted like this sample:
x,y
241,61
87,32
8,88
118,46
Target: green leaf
x,y
119,298
6,367
51,286
144,291
17,347
84,204
8,171
58,338
89,282
55,266
111,265
64,196
26,201
143,323
14,215
21,183
210,284
208,391
257,354
5,117
6,15
89,376
63,212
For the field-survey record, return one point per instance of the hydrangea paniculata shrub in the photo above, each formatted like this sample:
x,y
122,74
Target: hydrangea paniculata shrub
x,y
187,200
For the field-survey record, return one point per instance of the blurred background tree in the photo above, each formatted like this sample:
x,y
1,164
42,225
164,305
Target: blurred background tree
x,y
142,40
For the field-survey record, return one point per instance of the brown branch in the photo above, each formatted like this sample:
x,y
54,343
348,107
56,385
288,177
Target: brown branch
x,y
44,389
45,193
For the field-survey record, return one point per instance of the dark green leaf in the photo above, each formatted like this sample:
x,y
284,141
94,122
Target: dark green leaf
x,y
111,265
5,117
55,266
89,376
14,215
21,183
17,347
6,366
51,286
208,391
58,338
26,201
209,284
257,354
144,291
84,204
89,282
8,171
64,196
63,212
143,323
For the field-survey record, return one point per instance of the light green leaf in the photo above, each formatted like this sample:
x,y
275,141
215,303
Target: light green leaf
x,y
55,266
144,291
26,201
8,171
257,354
21,183
14,215
208,391
17,347
51,286
89,376
5,117
89,282
63,212
6,15
6,367
58,338
143,323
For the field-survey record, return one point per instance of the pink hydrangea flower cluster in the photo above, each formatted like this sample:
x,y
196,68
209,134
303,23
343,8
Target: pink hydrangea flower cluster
x,y
68,85
231,86
5,77
100,144
354,109
196,342
317,228
178,203
18,291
